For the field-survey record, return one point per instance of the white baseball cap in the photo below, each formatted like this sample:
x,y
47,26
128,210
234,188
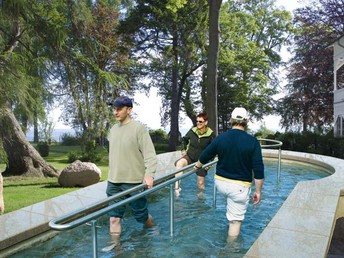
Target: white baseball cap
x,y
239,113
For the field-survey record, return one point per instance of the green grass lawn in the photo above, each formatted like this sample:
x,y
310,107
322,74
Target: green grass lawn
x,y
20,192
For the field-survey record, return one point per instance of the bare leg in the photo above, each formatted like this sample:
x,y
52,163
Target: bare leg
x,y
177,184
181,163
2,205
149,222
234,230
200,182
115,233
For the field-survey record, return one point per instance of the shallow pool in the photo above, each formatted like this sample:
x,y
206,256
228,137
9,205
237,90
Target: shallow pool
x,y
200,229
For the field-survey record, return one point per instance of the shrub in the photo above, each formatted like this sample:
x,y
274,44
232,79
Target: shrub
x,y
70,140
312,143
3,155
72,156
158,136
43,149
89,152
161,148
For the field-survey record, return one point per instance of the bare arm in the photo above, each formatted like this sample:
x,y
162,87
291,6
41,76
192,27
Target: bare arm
x,y
258,193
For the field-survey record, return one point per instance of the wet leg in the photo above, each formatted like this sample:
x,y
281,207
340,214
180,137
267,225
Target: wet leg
x,y
115,233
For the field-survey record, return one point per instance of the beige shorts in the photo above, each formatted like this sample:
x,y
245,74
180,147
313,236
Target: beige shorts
x,y
238,197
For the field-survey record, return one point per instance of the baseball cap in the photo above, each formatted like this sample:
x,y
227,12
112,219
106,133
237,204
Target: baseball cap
x,y
120,102
239,113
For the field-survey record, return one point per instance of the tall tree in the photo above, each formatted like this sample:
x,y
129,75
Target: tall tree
x,y
17,59
212,63
308,105
252,33
171,40
92,66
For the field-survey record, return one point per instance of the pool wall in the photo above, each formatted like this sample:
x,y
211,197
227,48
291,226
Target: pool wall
x,y
303,226
22,228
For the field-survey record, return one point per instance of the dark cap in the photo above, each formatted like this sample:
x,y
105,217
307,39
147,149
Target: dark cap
x,y
121,102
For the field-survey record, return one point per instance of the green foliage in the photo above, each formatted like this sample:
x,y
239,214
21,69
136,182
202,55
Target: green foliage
x,y
176,32
323,144
252,33
46,130
161,148
21,192
43,149
3,155
70,140
308,104
174,5
24,191
159,136
73,156
89,152
160,140
264,132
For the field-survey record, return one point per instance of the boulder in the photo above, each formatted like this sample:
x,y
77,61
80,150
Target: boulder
x,y
80,174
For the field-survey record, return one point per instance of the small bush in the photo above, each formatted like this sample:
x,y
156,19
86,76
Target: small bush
x,y
43,149
312,143
89,152
161,148
158,136
3,155
72,156
70,140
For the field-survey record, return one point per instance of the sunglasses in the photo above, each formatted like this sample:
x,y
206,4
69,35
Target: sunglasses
x,y
198,121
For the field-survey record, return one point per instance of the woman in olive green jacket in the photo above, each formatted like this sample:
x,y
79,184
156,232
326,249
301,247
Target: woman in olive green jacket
x,y
193,143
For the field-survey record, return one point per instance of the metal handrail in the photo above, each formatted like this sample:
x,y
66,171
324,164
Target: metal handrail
x,y
160,183
55,223
279,145
91,212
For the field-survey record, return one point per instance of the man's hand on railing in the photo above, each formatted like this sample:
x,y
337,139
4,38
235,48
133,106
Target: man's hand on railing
x,y
148,180
198,165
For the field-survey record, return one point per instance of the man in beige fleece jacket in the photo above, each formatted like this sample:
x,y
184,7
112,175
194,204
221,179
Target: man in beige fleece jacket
x,y
132,161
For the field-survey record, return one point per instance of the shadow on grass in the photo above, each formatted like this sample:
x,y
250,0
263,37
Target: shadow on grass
x,y
58,186
44,184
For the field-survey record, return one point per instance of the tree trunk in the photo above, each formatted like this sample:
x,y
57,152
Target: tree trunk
x,y
35,127
213,50
2,205
23,158
175,102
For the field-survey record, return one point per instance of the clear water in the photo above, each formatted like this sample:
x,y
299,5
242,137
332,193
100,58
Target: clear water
x,y
200,229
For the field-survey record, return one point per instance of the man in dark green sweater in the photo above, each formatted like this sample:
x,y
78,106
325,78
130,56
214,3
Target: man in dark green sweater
x,y
239,160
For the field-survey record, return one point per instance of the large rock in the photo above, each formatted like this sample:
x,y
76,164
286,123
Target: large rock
x,y
80,174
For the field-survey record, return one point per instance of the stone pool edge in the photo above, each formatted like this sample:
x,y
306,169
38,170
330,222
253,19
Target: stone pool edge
x,y
24,227
304,224
289,234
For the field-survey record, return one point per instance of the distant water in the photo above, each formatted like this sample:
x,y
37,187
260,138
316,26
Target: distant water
x,y
57,134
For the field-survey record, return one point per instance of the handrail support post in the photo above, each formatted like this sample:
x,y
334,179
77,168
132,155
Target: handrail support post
x,y
279,165
93,224
214,195
171,210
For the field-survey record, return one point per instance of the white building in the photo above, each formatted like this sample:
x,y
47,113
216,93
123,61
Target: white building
x,y
338,92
